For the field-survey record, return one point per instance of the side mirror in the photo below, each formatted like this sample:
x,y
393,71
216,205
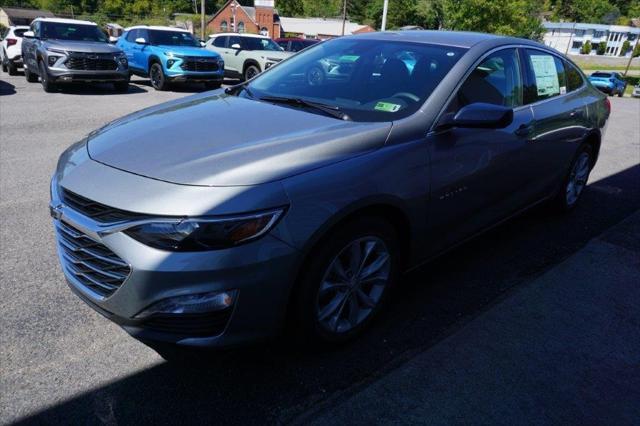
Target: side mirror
x,y
113,40
480,115
28,34
236,46
141,40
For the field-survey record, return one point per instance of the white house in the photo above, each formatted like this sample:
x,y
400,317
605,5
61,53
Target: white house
x,y
569,37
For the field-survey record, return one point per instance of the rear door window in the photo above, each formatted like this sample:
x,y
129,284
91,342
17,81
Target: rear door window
x,y
547,78
574,78
220,41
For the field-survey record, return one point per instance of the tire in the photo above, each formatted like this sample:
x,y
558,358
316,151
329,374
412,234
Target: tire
x,y
31,77
47,85
621,94
121,86
326,311
250,72
158,79
212,85
576,179
13,69
5,68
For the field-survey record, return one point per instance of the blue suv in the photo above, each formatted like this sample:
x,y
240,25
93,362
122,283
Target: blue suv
x,y
610,83
167,55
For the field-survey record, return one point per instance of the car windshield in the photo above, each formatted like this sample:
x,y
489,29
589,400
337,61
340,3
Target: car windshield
x,y
172,38
256,43
75,32
369,80
602,75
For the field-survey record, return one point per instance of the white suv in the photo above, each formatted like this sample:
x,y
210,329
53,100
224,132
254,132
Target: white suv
x,y
11,49
246,55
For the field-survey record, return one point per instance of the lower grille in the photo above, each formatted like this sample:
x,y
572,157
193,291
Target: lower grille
x,y
91,63
199,325
199,64
91,263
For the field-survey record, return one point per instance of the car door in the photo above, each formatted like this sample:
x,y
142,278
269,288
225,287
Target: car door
x,y
478,174
140,50
127,44
31,47
560,119
220,45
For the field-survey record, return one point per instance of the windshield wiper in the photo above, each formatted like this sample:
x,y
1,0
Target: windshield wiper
x,y
331,110
235,90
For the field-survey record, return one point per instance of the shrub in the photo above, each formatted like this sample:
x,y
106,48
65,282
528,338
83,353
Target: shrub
x,y
602,48
636,50
586,48
626,46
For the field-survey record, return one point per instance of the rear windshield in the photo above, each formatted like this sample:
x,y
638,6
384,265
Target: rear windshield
x,y
602,74
19,33
172,38
74,32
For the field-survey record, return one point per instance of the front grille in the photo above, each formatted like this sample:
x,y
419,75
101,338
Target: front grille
x,y
94,210
199,325
199,64
91,263
91,62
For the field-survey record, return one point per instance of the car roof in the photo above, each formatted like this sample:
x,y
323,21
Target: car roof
x,y
65,21
449,38
18,27
238,35
157,27
296,39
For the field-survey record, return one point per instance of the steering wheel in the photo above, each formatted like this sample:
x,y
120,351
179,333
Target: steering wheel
x,y
407,95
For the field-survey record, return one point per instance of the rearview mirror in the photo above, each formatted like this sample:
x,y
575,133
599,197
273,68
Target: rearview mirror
x,y
480,115
28,34
235,46
141,40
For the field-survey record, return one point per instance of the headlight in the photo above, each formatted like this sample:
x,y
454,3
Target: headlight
x,y
204,234
122,58
172,55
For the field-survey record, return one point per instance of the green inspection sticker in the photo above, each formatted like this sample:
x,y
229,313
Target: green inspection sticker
x,y
387,107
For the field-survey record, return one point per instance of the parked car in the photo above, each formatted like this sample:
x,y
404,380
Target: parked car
x,y
170,55
11,51
69,50
636,91
611,83
295,44
246,55
216,219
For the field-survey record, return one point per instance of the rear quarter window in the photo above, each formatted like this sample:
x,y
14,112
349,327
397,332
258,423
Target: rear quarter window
x,y
574,78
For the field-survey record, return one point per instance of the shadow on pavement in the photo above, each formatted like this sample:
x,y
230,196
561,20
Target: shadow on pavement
x,y
7,88
274,382
97,89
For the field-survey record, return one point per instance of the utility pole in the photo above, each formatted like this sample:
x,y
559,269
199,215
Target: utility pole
x,y
344,15
384,14
573,30
202,19
626,70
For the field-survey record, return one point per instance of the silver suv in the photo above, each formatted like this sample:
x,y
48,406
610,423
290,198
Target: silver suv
x,y
246,55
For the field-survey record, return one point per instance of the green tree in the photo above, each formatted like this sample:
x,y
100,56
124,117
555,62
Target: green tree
x,y
592,11
322,9
601,48
586,48
509,17
636,50
290,7
626,46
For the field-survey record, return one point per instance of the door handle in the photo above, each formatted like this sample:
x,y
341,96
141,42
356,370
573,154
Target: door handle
x,y
523,130
576,113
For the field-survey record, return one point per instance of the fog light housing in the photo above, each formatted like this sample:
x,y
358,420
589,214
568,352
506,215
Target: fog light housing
x,y
191,304
52,60
170,62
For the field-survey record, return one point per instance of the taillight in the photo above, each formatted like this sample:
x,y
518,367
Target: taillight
x,y
607,105
11,41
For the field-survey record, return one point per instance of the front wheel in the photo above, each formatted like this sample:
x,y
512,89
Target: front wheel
x,y
250,72
621,93
212,85
45,80
31,78
347,281
158,79
576,180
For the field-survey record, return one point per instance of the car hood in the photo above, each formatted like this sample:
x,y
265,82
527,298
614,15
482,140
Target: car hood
x,y
188,50
273,54
213,139
82,46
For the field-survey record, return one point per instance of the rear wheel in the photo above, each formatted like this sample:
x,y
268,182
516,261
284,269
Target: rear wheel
x,y
13,69
576,180
621,93
212,85
158,79
347,281
4,63
31,78
251,71
45,80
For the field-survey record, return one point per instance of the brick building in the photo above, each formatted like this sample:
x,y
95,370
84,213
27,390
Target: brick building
x,y
233,17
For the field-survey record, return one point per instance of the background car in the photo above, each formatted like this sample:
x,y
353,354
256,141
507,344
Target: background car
x,y
636,91
170,55
11,52
610,83
69,50
295,44
246,55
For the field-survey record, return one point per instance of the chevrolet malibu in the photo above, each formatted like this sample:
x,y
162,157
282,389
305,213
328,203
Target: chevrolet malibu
x,y
299,199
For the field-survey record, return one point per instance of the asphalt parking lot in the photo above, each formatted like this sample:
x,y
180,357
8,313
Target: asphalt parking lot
x,y
60,362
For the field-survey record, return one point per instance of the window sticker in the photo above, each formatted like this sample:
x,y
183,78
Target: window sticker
x,y
387,107
563,90
544,68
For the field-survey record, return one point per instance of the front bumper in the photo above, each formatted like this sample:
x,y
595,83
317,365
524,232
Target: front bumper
x,y
260,273
89,76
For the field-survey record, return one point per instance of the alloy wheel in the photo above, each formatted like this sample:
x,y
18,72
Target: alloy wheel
x,y
353,284
578,178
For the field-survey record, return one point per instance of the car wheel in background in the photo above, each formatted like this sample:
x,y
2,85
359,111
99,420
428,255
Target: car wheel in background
x,y
212,85
13,69
315,76
158,79
4,63
621,93
576,180
45,80
251,71
31,77
346,281
121,86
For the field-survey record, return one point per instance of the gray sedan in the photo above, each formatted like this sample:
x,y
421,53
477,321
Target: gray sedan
x,y
219,218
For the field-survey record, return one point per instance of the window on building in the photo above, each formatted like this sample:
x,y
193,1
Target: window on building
x,y
224,27
579,33
546,74
264,31
576,45
632,37
241,26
